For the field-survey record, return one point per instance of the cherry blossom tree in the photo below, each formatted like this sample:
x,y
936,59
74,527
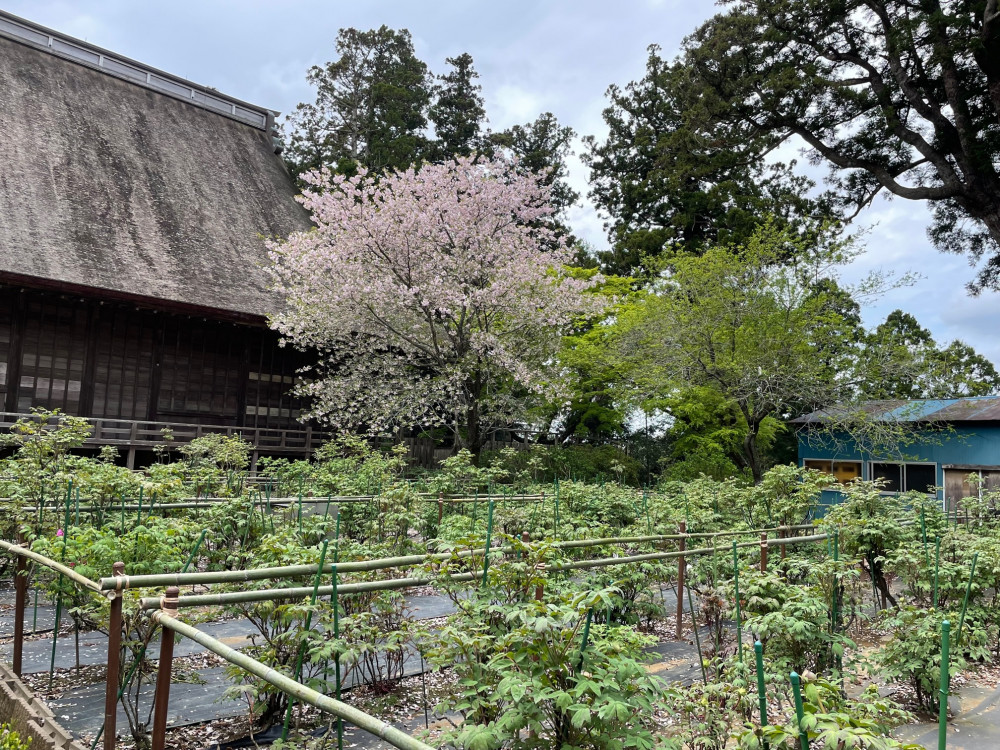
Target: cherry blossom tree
x,y
435,296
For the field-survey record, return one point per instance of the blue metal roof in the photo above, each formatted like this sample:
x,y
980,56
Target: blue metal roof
x,y
970,409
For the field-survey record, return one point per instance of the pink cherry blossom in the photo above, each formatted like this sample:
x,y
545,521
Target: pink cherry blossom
x,y
436,296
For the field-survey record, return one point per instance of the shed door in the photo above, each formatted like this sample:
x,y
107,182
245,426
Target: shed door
x,y
956,485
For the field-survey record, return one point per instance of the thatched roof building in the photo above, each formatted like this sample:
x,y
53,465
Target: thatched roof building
x,y
120,178
133,210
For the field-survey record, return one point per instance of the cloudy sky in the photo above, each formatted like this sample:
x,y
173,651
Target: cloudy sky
x,y
532,56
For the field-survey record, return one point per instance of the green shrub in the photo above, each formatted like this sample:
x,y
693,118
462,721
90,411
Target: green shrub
x,y
11,740
913,654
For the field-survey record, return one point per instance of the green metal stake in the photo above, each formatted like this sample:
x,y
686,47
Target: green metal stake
x,y
836,598
62,558
138,515
586,635
300,506
799,711
194,551
336,657
739,617
945,685
937,564
965,600
697,637
489,541
758,649
302,646
555,515
923,534
336,539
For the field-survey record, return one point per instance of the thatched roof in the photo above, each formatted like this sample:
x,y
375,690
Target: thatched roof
x,y
107,184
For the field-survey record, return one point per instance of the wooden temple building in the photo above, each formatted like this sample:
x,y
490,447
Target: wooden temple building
x,y
134,207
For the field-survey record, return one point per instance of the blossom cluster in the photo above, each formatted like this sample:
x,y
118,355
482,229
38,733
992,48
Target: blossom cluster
x,y
428,291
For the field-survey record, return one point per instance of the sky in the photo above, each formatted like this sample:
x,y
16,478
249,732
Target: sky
x,y
532,56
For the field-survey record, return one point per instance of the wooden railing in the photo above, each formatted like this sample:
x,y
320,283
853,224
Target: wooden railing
x,y
145,435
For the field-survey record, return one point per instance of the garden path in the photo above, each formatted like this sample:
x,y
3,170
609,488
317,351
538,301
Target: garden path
x,y
80,709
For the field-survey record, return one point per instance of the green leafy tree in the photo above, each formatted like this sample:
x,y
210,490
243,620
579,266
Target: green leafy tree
x,y
458,113
748,322
669,192
896,97
370,108
922,369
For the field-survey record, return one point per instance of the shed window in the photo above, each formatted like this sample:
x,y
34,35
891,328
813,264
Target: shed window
x,y
906,477
843,471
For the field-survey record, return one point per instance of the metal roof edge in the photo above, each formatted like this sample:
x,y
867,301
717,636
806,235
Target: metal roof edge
x,y
69,48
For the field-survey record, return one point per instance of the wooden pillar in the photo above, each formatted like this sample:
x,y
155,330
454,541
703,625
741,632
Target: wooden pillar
x,y
90,360
161,700
763,552
114,661
682,530
16,349
20,603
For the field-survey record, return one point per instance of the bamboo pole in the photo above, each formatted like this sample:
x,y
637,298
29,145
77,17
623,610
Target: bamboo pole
x,y
272,594
364,721
293,571
58,567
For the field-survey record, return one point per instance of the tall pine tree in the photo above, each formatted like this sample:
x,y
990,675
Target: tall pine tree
x,y
370,108
458,113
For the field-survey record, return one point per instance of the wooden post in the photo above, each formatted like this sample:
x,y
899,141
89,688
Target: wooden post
x,y
540,588
782,533
161,700
682,530
440,509
763,552
114,660
20,603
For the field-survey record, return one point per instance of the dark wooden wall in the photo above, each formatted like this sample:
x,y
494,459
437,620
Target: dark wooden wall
x,y
109,359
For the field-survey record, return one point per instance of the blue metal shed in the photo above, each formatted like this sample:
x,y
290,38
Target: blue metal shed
x,y
943,441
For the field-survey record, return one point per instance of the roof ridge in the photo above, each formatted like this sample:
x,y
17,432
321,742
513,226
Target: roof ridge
x,y
135,72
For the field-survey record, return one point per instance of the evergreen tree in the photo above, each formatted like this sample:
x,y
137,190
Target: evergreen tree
x,y
667,190
370,108
898,97
458,112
